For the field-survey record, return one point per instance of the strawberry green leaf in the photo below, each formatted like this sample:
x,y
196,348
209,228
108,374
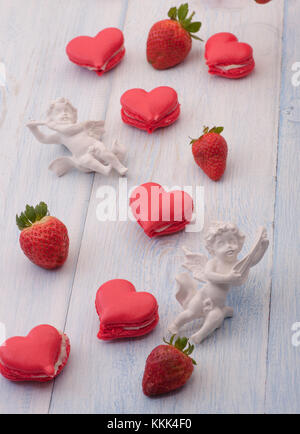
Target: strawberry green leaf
x,y
193,27
183,11
206,130
178,343
192,140
31,215
184,341
22,221
196,37
187,349
217,130
190,349
180,15
172,13
41,210
189,19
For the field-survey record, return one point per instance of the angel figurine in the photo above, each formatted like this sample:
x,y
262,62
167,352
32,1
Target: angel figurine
x,y
224,242
82,139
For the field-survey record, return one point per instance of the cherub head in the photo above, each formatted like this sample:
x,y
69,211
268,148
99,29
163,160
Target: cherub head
x,y
225,241
61,111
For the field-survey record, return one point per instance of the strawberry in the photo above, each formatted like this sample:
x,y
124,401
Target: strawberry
x,y
262,2
210,152
44,239
168,367
170,41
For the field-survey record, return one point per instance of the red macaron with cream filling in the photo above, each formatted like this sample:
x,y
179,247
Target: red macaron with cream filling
x,y
39,356
150,110
159,212
100,53
227,57
124,312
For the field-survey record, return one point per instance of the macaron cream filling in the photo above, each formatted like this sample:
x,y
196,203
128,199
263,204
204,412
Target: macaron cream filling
x,y
229,67
141,326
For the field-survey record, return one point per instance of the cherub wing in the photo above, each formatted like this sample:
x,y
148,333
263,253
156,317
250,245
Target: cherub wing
x,y
187,289
195,262
94,129
255,254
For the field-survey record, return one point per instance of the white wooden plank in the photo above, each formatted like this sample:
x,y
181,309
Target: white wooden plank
x,y
106,377
283,394
33,36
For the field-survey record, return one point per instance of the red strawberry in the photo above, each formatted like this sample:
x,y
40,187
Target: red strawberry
x,y
44,239
170,41
168,367
262,2
210,152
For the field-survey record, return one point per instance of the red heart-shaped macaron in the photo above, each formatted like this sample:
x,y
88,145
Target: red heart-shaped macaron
x,y
33,356
150,110
123,312
159,212
100,53
228,57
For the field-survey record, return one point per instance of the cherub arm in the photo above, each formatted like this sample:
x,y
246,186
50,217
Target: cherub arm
x,y
218,278
92,128
68,130
53,139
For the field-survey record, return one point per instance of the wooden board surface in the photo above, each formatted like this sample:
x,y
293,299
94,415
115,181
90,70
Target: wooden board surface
x,y
239,366
283,393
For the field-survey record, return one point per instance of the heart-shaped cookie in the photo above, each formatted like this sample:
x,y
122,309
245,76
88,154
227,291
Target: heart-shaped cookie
x,y
39,356
123,312
159,212
228,57
150,110
100,53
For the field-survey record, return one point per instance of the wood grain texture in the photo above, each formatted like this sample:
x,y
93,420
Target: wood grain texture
x,y
106,377
33,37
249,365
283,392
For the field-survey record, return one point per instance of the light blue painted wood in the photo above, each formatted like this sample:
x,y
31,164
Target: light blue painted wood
x,y
33,36
235,364
106,377
283,379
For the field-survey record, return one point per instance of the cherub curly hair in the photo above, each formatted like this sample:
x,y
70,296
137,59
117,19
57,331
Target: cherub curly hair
x,y
62,101
219,228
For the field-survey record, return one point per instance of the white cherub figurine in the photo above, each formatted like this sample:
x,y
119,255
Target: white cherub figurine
x,y
224,242
82,139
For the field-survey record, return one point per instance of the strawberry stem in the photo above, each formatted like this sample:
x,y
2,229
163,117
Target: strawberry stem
x,y
181,344
31,215
180,15
206,130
